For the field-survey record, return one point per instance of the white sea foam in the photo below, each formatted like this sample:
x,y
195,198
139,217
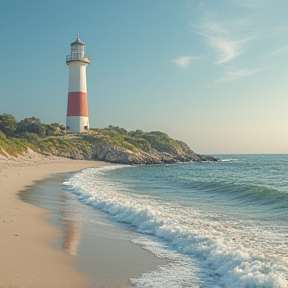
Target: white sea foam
x,y
229,160
205,252
179,272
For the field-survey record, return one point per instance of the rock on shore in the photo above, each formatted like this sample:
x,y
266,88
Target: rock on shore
x,y
112,153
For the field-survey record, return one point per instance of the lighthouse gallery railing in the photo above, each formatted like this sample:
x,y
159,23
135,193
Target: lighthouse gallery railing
x,y
77,58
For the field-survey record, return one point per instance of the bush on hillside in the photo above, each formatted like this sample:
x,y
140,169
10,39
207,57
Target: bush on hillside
x,y
8,124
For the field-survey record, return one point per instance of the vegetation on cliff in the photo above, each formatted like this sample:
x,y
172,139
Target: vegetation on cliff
x,y
112,144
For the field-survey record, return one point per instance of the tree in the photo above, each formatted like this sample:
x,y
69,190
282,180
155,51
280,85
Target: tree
x,y
32,125
8,124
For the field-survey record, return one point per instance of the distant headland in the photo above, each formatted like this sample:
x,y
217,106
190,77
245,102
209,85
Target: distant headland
x,y
112,144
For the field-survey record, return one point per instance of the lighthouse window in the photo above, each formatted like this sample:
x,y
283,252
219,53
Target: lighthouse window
x,y
82,51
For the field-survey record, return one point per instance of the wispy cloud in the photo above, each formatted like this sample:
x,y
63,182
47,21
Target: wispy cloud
x,y
223,39
227,49
185,61
233,74
281,50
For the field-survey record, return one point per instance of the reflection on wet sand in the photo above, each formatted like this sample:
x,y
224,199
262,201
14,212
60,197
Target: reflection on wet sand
x,y
69,219
48,194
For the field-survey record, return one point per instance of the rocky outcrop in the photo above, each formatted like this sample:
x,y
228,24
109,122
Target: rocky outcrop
x,y
112,153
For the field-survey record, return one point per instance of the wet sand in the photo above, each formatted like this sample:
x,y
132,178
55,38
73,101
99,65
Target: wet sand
x,y
100,248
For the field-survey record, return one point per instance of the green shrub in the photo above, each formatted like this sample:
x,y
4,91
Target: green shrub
x,y
160,141
8,124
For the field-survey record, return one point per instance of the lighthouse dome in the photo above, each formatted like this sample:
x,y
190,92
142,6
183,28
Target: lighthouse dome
x,y
78,42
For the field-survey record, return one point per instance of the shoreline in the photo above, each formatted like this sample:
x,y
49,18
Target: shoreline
x,y
101,248
27,258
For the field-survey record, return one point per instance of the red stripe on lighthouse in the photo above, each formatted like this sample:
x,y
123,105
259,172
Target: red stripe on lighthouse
x,y
77,104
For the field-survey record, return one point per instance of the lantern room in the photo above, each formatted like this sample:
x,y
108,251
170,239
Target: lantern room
x,y
77,52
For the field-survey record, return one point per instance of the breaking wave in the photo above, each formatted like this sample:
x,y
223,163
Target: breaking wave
x,y
206,248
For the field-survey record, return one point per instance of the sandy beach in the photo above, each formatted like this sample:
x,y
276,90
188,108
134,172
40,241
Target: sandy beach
x,y
29,256
26,257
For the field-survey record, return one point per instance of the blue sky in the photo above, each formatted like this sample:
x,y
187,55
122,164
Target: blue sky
x,y
211,73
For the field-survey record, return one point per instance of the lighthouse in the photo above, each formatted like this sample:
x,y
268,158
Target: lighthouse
x,y
77,108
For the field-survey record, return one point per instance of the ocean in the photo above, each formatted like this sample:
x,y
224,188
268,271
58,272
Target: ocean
x,y
219,224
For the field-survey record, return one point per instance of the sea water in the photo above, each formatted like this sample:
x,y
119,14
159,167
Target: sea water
x,y
220,224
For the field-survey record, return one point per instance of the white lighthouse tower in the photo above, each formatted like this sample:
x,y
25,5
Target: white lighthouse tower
x,y
77,108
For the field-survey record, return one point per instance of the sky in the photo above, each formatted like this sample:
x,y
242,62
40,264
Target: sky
x,y
213,73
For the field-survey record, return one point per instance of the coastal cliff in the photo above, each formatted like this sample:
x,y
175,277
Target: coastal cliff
x,y
116,145
112,144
